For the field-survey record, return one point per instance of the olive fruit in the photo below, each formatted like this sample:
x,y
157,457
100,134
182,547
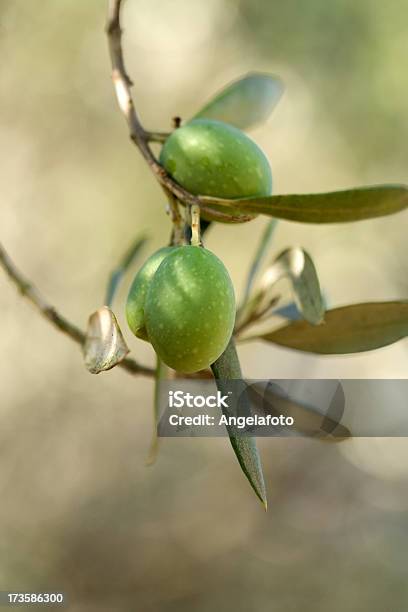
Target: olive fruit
x,y
190,309
213,158
137,295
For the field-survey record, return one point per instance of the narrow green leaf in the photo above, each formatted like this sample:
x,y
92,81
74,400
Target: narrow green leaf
x,y
297,265
104,345
260,254
246,102
334,207
160,374
349,329
126,261
227,367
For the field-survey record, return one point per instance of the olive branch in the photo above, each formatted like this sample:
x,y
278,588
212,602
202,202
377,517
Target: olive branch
x,y
353,328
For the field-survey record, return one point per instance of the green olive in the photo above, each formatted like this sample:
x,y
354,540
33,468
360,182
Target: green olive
x,y
190,309
135,304
213,158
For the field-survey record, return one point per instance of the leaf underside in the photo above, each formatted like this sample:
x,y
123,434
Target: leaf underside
x,y
297,265
348,329
245,102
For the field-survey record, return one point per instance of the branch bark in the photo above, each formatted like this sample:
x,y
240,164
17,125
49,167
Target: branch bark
x,y
122,84
28,290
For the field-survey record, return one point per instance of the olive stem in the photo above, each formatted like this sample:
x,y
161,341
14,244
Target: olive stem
x,y
176,218
195,225
159,137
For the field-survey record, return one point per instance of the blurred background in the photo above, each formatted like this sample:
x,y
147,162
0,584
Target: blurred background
x,y
79,510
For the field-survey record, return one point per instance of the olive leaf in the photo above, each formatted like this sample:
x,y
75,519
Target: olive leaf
x,y
160,374
308,420
126,261
227,367
245,102
104,345
259,258
297,265
348,329
333,207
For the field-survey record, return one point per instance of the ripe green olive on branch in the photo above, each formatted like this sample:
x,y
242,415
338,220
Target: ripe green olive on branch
x,y
213,158
182,301
190,309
